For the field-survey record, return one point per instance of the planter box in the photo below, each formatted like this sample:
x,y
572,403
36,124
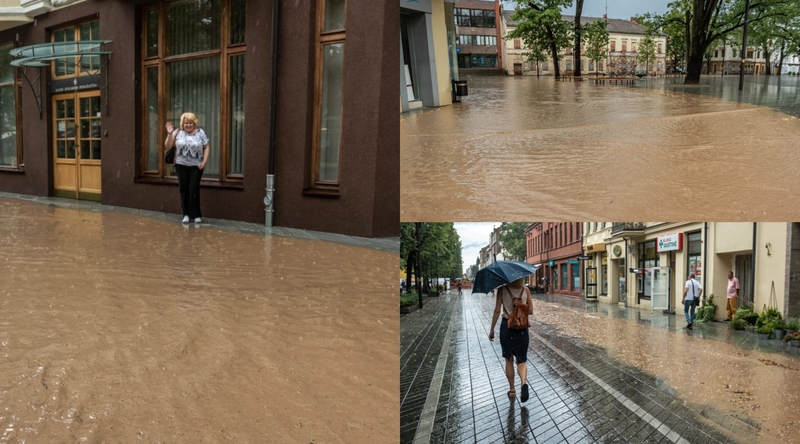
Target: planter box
x,y
779,334
763,335
408,309
750,329
794,343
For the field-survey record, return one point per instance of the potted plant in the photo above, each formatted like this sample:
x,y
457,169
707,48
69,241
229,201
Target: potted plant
x,y
792,325
738,324
764,332
793,339
778,329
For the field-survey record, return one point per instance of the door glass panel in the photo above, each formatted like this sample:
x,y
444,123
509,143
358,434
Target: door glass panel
x,y
61,131
96,106
70,129
96,128
70,112
70,149
61,107
96,149
84,107
84,149
61,149
84,130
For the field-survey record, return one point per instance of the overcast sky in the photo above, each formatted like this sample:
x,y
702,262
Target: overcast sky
x,y
619,9
474,236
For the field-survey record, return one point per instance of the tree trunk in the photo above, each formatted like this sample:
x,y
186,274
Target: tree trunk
x,y
780,60
697,50
769,63
553,51
418,265
577,62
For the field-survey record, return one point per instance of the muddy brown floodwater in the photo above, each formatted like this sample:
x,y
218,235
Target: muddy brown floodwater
x,y
123,328
750,384
538,149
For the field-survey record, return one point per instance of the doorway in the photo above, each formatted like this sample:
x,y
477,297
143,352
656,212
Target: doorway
x,y
76,145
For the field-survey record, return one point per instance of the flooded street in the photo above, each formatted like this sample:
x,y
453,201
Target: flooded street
x,y
116,327
597,374
540,149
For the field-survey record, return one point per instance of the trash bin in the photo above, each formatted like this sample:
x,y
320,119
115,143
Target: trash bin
x,y
461,88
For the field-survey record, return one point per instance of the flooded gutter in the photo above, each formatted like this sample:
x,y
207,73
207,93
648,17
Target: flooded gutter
x,y
269,199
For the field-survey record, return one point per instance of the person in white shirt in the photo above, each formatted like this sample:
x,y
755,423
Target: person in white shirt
x,y
733,296
691,292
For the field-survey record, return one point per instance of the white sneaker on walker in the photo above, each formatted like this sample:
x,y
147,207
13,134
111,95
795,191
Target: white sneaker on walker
x,y
185,219
197,220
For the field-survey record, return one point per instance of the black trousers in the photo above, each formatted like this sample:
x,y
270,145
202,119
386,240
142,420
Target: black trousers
x,y
189,184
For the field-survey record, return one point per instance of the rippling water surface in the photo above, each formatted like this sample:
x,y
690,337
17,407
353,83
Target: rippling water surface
x,y
527,148
121,328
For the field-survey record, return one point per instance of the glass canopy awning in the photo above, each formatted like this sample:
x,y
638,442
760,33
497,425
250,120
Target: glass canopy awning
x,y
72,53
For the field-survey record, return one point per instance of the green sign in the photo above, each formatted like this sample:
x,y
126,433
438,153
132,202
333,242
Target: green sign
x,y
551,263
573,261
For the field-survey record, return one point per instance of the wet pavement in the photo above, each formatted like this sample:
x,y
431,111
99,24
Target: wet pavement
x,y
533,148
123,327
598,373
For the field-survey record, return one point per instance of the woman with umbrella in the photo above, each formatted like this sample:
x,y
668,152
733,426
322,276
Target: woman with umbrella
x,y
512,298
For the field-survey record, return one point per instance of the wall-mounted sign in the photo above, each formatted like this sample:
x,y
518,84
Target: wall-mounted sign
x,y
551,263
617,250
596,247
573,261
670,242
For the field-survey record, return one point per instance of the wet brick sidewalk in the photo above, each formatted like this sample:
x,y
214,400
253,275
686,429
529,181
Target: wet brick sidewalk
x,y
578,395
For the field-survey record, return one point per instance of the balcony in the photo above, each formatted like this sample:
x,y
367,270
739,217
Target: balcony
x,y
627,228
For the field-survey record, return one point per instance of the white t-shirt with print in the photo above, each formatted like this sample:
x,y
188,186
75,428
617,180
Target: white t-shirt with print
x,y
189,147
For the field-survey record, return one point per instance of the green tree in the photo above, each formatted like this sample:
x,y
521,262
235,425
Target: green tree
x,y
429,250
596,38
512,237
646,52
541,28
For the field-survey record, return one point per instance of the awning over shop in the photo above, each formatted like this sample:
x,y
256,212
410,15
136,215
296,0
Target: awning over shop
x,y
72,53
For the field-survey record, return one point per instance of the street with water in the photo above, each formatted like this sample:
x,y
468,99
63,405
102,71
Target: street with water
x,y
535,148
597,372
120,325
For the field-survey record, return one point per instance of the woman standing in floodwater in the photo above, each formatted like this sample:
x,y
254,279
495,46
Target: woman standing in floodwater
x,y
513,342
191,157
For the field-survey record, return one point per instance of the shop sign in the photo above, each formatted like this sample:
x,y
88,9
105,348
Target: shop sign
x,y
573,262
584,258
551,263
596,247
80,83
670,242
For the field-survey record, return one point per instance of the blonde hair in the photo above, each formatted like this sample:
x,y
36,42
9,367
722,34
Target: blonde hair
x,y
189,116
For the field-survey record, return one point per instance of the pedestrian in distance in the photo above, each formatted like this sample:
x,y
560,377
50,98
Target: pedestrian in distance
x,y
191,157
459,288
733,295
514,342
691,294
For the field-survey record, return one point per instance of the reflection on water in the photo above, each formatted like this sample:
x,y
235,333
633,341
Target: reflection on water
x,y
532,148
120,328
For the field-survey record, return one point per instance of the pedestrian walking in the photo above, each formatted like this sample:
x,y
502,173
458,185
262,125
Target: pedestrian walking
x,y
733,295
459,288
691,294
191,157
546,284
514,342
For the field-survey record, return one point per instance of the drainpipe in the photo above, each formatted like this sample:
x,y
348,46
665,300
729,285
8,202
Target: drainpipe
x,y
626,271
753,268
705,256
269,199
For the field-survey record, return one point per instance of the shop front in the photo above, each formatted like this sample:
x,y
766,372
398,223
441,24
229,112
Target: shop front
x,y
86,121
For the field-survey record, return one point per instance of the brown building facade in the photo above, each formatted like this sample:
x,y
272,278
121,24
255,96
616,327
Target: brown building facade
x,y
554,247
480,38
281,88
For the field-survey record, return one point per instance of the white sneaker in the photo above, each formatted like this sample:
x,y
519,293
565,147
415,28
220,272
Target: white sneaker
x,y
185,219
197,220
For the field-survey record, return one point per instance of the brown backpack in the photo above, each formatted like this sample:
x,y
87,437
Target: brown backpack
x,y
518,319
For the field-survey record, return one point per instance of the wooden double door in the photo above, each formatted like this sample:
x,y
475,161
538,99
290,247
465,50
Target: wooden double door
x,y
77,145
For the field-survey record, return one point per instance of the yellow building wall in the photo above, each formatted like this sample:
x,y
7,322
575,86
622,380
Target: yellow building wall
x,y
441,55
733,237
770,264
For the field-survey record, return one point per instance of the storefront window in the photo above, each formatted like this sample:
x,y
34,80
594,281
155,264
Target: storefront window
x,y
186,46
564,277
330,78
555,278
604,273
648,258
695,254
576,277
10,148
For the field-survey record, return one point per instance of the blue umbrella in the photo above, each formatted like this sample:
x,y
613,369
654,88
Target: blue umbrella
x,y
500,273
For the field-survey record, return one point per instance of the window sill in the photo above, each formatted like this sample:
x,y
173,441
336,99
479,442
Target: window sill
x,y
174,181
329,192
12,170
